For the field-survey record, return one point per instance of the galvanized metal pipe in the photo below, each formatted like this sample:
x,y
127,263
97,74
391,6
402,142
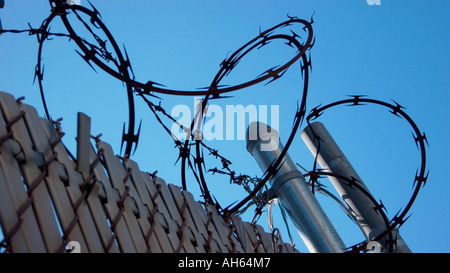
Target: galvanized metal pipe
x,y
332,159
290,187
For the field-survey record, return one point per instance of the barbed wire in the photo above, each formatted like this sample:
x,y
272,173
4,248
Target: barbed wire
x,y
420,178
192,150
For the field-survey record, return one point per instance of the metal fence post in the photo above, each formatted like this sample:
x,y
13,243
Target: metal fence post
x,y
331,158
290,187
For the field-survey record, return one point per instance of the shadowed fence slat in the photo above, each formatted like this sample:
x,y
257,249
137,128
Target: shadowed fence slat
x,y
17,216
32,174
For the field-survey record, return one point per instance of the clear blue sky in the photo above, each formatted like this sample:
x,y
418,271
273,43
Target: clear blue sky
x,y
398,50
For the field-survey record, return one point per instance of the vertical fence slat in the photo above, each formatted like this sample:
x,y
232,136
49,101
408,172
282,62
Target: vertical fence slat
x,y
197,225
209,218
168,201
10,151
190,233
160,234
55,171
171,213
158,241
9,219
253,239
143,202
113,211
117,173
105,234
138,182
266,239
220,229
242,234
33,176
73,187
83,143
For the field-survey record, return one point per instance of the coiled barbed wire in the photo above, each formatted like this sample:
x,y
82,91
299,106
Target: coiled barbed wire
x,y
118,65
420,177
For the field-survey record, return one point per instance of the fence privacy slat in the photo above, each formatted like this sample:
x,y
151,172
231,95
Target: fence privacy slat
x,y
9,218
139,182
160,234
168,201
221,228
144,203
114,213
73,185
28,232
55,173
154,191
253,238
195,222
83,143
117,173
182,205
266,239
242,234
103,202
105,233
33,175
216,229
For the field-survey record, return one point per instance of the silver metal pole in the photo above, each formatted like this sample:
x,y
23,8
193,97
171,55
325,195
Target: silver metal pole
x,y
290,187
332,159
